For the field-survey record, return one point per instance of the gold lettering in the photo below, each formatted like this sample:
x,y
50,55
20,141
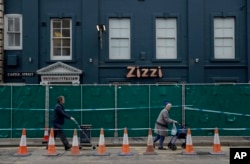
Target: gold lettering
x,y
153,72
159,72
144,72
138,72
130,73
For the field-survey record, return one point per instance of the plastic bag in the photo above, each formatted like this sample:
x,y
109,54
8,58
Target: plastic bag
x,y
174,130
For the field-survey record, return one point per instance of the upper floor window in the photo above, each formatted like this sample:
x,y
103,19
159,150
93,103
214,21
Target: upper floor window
x,y
166,38
224,38
12,32
119,38
61,39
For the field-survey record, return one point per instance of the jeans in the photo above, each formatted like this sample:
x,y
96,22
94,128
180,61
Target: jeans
x,y
161,138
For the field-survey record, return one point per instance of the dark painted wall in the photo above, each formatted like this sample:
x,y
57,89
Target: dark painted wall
x,y
194,30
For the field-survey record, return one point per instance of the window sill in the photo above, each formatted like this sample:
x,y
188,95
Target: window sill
x,y
166,60
120,60
225,60
64,61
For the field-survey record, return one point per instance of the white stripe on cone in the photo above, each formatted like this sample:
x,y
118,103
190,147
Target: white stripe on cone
x,y
101,140
51,140
189,140
75,141
23,141
125,139
150,140
46,133
216,139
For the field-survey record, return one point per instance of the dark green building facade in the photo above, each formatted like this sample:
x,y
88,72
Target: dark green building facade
x,y
126,41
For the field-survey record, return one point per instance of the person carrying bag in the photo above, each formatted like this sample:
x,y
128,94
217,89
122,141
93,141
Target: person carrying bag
x,y
161,125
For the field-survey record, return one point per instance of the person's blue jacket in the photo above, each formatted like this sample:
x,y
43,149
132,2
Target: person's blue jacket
x,y
59,115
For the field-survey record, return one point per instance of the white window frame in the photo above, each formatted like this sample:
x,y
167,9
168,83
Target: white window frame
x,y
119,39
166,38
224,38
7,33
59,36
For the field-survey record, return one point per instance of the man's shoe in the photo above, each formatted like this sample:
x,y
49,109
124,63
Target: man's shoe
x,y
68,147
161,148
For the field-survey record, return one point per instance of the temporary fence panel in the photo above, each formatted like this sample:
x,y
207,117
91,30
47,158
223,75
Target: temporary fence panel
x,y
112,107
223,106
6,112
98,104
27,110
133,109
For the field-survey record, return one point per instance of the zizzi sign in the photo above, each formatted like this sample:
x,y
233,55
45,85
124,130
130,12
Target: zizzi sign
x,y
143,72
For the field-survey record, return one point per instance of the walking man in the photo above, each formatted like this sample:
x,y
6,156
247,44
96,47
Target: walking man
x,y
58,121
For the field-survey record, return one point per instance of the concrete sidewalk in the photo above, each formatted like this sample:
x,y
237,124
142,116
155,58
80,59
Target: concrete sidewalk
x,y
135,141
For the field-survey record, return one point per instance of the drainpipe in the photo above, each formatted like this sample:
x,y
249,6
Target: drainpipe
x,y
1,39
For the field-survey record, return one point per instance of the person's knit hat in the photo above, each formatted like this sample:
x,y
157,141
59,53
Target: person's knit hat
x,y
166,102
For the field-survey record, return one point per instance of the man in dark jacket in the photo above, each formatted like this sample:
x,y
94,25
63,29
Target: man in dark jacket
x,y
161,125
58,121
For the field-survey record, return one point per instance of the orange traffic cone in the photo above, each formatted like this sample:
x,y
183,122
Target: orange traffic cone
x,y
46,135
51,146
125,151
189,150
216,146
22,150
101,151
75,150
150,148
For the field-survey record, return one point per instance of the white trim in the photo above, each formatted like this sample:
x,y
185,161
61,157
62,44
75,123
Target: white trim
x,y
59,73
6,35
166,38
60,57
224,38
119,38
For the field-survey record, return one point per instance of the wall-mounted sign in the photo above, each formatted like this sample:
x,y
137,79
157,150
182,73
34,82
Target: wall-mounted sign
x,y
20,74
142,72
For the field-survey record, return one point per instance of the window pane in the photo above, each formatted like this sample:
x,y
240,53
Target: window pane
x,y
17,24
229,32
66,51
10,25
57,42
66,32
57,33
17,39
11,39
66,42
218,33
66,23
56,24
57,52
119,49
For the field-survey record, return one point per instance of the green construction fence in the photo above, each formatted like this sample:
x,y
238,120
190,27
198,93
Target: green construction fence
x,y
136,107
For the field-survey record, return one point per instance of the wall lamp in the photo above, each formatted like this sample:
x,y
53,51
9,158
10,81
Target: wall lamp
x,y
100,28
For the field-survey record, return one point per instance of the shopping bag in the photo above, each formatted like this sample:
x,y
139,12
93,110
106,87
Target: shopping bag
x,y
174,130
